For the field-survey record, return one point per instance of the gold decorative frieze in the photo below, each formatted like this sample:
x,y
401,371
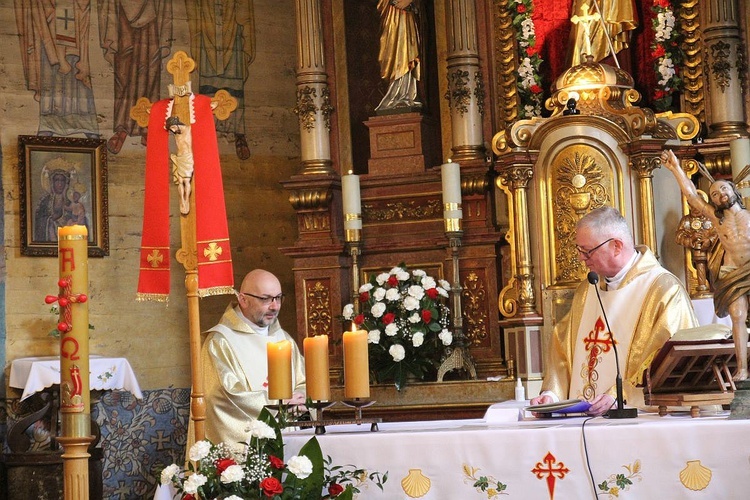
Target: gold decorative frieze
x,y
318,307
475,309
326,108
406,210
479,93
316,221
305,108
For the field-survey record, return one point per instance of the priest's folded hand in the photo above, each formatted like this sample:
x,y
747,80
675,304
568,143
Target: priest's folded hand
x,y
600,405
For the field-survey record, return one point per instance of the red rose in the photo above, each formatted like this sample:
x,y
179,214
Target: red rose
x,y
364,296
388,318
535,89
658,52
662,3
271,486
660,94
520,8
426,315
276,462
223,464
188,496
392,280
359,319
335,489
531,51
432,293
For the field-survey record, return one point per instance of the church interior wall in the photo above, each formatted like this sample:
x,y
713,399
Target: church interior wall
x,y
259,215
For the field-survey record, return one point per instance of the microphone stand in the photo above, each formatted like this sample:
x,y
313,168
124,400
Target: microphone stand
x,y
620,411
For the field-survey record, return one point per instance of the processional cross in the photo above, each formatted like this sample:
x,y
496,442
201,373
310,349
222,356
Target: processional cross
x,y
184,118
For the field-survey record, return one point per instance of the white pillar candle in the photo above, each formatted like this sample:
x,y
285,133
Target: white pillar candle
x,y
452,212
352,205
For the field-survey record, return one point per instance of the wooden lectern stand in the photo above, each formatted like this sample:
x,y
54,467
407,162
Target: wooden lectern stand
x,y
691,373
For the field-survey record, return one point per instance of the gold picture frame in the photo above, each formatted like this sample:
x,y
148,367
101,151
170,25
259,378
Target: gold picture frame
x,y
63,181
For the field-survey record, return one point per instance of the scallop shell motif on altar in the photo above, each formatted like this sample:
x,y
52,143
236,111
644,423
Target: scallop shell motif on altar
x,y
416,484
695,476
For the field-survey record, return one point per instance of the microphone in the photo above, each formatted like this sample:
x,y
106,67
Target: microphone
x,y
620,411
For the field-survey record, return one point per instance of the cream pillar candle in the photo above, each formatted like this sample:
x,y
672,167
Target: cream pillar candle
x,y
352,205
279,369
316,368
74,330
452,212
356,365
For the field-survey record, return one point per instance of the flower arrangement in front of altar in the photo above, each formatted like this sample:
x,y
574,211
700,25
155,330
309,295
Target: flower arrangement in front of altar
x,y
530,91
667,54
256,470
406,323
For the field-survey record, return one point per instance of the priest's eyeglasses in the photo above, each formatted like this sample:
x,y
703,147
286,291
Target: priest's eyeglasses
x,y
265,299
587,253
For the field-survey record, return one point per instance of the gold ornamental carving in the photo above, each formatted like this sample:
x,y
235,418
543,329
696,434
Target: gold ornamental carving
x,y
318,307
326,109
408,210
307,199
479,93
506,86
305,108
458,94
720,65
475,307
692,74
579,184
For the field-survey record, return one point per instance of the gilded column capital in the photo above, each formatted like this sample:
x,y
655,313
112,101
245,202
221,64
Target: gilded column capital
x,y
516,176
644,165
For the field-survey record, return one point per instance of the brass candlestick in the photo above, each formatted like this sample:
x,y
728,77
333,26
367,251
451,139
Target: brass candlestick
x,y
458,356
355,250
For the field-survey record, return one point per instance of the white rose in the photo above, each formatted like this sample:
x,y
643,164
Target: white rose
x,y
168,473
373,336
261,430
402,275
199,450
193,482
300,466
417,339
418,273
428,282
444,284
415,318
395,270
397,352
348,311
391,329
392,295
382,278
378,294
442,291
416,291
446,337
232,474
233,497
365,288
377,309
410,303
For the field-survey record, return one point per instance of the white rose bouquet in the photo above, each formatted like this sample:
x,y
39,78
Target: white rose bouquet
x,y
406,323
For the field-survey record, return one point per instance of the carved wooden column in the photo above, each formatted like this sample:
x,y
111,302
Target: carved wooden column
x,y
465,87
644,158
726,67
313,96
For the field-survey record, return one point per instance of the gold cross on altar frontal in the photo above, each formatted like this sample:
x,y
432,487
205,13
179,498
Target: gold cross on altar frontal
x,y
179,124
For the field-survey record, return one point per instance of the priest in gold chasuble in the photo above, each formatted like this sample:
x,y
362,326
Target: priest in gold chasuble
x,y
645,305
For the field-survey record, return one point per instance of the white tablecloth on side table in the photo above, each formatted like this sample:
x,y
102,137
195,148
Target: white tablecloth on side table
x,y
37,373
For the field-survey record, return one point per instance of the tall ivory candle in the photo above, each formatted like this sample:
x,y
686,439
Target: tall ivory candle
x,y
452,211
75,403
316,368
279,369
352,205
356,365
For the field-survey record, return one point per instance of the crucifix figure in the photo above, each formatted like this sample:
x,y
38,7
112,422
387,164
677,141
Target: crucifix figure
x,y
585,20
204,252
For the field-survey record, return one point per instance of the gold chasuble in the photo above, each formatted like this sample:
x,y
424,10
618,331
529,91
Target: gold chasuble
x,y
644,312
236,374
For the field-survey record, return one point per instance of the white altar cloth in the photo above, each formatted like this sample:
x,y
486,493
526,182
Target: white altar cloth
x,y
37,373
545,459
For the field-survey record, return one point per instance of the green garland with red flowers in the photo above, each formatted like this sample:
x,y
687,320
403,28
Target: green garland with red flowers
x,y
530,91
666,53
